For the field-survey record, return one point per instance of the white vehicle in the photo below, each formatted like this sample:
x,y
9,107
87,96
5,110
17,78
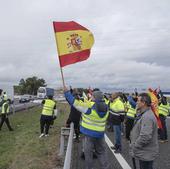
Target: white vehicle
x,y
44,92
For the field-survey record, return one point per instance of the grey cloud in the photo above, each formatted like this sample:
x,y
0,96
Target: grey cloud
x,y
131,47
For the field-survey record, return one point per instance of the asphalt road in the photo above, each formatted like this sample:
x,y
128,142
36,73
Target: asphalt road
x,y
162,162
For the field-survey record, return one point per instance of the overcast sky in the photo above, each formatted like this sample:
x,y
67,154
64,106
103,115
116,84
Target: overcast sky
x,y
131,49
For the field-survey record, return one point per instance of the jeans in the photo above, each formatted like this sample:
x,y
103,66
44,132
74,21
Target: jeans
x,y
146,164
117,136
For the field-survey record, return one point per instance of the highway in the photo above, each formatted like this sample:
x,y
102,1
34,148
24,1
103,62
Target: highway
x,y
123,160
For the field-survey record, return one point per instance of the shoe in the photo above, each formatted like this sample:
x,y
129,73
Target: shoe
x,y
47,135
113,147
163,141
117,151
94,155
82,156
77,140
11,129
42,135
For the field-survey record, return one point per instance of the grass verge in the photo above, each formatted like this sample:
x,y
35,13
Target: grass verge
x,y
22,148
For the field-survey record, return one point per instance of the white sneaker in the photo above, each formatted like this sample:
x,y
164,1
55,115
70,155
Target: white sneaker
x,y
42,135
47,135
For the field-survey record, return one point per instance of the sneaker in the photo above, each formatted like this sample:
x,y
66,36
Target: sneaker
x,y
76,140
117,151
47,135
94,155
113,147
82,156
162,141
42,135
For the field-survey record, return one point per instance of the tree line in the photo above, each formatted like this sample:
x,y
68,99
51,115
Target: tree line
x,y
29,85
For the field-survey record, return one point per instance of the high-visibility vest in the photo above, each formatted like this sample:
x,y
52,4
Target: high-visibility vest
x,y
3,108
164,109
93,121
5,97
48,107
131,112
117,106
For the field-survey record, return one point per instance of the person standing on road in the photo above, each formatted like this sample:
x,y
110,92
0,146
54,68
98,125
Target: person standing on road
x,y
117,112
164,109
47,115
4,114
94,116
1,97
144,135
130,116
74,116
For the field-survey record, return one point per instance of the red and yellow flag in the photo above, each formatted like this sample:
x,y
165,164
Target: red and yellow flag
x,y
73,42
154,106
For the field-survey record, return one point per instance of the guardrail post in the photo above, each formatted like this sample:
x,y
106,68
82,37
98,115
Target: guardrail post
x,y
64,134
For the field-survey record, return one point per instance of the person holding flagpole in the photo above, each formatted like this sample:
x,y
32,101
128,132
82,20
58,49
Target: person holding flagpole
x,y
94,116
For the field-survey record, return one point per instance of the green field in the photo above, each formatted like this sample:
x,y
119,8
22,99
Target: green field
x,y
22,148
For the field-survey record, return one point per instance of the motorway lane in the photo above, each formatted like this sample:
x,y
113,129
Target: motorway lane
x,y
162,162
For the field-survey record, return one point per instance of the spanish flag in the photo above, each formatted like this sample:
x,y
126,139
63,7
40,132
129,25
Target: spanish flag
x,y
73,42
154,105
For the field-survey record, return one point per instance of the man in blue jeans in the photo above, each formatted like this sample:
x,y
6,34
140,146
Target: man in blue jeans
x,y
117,111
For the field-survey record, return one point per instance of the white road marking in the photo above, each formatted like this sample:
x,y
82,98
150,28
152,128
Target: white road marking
x,y
119,157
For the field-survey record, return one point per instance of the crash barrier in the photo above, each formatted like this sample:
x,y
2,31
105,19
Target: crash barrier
x,y
16,108
66,136
24,106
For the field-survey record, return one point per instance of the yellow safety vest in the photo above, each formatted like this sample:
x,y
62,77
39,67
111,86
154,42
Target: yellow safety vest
x,y
5,97
48,107
117,105
131,112
164,109
3,108
93,121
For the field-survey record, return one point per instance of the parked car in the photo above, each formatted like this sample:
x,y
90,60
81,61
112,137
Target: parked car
x,y
25,98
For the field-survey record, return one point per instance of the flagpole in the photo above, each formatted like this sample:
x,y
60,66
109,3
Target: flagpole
x,y
62,76
61,70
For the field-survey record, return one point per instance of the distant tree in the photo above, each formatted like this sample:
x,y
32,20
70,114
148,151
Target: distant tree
x,y
31,85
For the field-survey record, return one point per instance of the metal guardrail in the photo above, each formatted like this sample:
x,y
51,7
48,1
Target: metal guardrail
x,y
65,132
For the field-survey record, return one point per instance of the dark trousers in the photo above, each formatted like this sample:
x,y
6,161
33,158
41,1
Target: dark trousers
x,y
146,164
4,118
163,132
100,146
128,127
45,122
77,129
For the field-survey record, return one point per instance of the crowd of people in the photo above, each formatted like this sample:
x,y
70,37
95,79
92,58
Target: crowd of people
x,y
94,112
117,112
